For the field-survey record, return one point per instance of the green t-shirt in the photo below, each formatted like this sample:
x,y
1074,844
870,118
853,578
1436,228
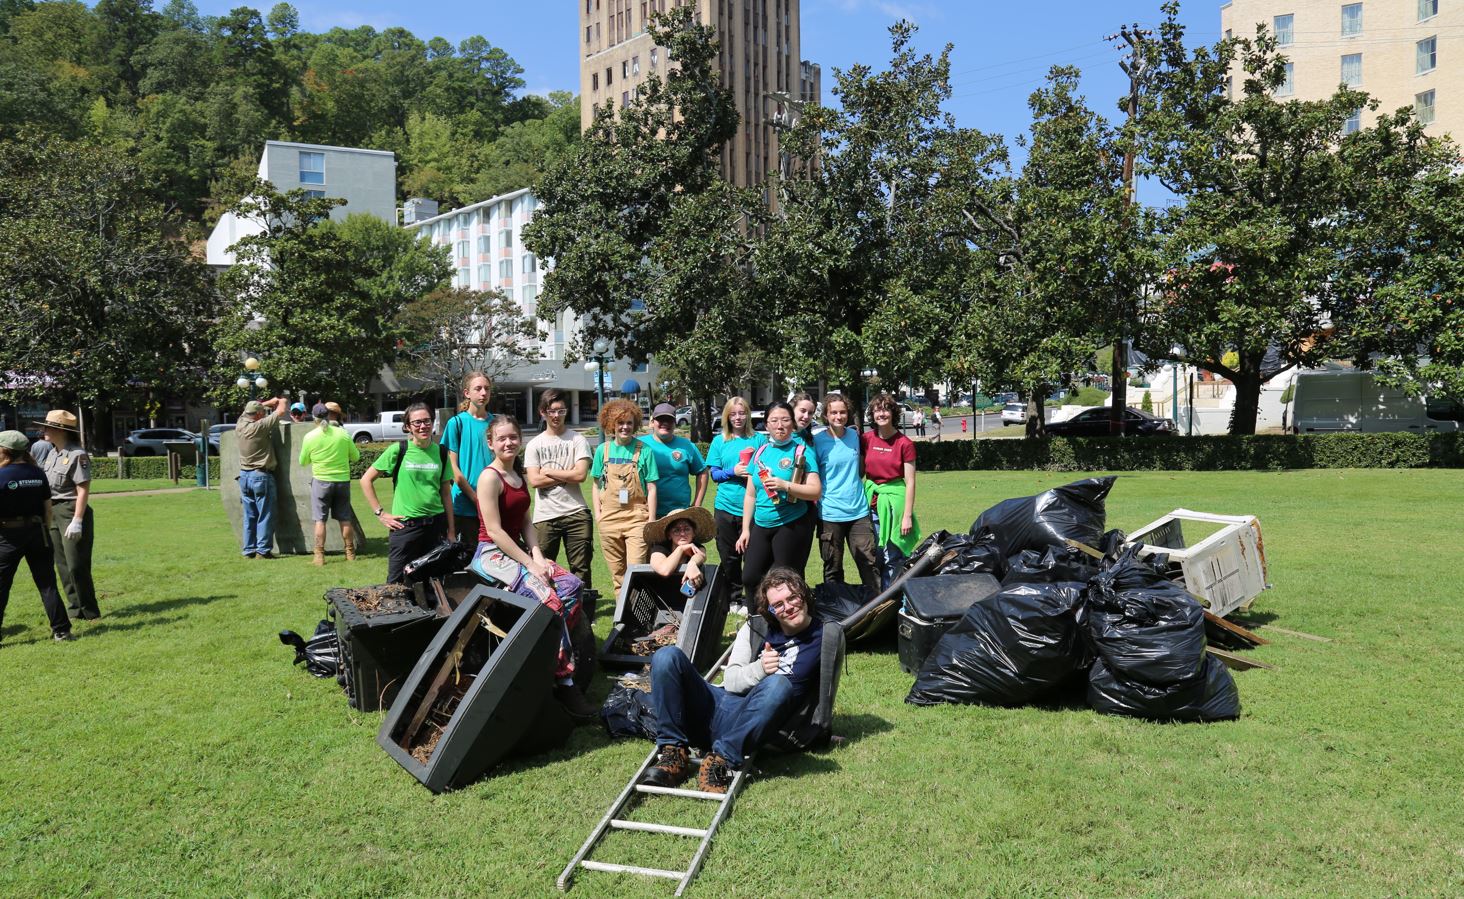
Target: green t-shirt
x,y
329,451
646,468
418,491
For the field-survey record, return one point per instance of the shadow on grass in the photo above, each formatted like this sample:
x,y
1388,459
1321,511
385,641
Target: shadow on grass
x,y
161,605
1254,620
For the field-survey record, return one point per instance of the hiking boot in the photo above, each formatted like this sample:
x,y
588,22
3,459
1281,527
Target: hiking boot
x,y
574,702
714,776
672,767
62,636
319,553
348,537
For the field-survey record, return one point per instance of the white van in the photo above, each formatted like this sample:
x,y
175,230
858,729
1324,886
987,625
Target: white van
x,y
1351,401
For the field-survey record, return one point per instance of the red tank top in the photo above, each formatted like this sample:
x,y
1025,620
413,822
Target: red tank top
x,y
513,506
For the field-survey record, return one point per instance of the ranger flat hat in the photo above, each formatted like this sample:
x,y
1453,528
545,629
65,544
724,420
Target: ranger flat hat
x,y
61,420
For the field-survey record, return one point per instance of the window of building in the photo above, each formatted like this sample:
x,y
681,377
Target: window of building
x,y
462,249
594,81
485,273
1427,9
505,239
527,295
609,76
653,57
624,99
1352,70
1288,84
312,167
1353,123
588,32
530,264
635,65
464,278
1285,30
1351,19
485,245
625,70
315,194
505,269
594,109
1423,107
1428,54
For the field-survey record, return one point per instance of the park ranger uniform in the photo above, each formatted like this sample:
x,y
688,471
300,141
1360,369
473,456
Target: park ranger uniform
x,y
66,467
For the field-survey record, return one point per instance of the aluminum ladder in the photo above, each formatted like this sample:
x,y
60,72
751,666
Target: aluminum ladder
x,y
630,797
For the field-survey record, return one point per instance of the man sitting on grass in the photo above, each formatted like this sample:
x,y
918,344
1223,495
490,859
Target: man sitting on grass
x,y
774,663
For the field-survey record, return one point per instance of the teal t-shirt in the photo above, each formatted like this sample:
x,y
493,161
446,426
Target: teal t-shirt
x,y
843,489
418,492
724,453
646,468
468,437
780,460
675,462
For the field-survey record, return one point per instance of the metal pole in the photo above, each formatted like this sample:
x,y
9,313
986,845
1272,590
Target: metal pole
x,y
1174,393
600,390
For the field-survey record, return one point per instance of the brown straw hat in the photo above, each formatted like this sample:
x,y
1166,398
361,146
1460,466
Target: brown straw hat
x,y
61,420
701,520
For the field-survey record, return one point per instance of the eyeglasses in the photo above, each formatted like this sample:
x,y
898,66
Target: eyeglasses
x,y
420,423
777,607
556,412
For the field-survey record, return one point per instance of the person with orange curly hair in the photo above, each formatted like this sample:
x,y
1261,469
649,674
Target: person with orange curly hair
x,y
624,475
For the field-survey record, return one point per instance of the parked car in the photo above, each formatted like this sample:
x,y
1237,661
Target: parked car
x,y
683,416
149,441
1353,401
215,432
1094,423
1013,414
756,416
388,426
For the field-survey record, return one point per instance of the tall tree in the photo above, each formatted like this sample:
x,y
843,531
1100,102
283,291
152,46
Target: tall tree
x,y
452,331
318,301
96,298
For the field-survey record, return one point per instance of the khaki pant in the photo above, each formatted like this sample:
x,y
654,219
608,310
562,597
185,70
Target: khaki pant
x,y
623,540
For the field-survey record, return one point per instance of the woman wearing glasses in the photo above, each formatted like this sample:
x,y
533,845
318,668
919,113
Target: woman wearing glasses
x,y
782,485
421,502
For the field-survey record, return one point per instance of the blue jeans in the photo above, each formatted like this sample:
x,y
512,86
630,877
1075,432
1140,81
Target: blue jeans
x,y
692,712
257,493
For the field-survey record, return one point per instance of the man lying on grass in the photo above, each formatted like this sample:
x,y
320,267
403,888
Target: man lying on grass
x,y
774,663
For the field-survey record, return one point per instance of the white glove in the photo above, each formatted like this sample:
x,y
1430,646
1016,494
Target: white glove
x,y
73,530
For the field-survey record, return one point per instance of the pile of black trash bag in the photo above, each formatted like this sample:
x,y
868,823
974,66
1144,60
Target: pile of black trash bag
x,y
1062,616
321,654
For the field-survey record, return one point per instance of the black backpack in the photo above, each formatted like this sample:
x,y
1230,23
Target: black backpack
x,y
396,464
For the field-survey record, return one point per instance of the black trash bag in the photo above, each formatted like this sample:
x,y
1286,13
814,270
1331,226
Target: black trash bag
x,y
1111,544
1144,626
628,712
321,654
961,554
1008,649
836,600
1049,566
1209,696
1073,511
891,565
440,561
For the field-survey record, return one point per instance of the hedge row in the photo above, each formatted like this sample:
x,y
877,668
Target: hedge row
x,y
151,467
1262,452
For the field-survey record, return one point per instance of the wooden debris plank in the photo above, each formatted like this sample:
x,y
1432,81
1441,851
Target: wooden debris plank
x,y
1237,630
449,664
1236,662
1290,633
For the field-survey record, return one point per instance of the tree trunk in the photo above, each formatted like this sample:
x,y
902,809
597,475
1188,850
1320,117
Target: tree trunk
x,y
1037,414
1118,386
1247,403
701,419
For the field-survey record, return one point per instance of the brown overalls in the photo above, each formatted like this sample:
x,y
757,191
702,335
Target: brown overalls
x,y
622,525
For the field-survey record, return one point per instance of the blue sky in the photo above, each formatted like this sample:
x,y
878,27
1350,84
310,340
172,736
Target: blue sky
x,y
1002,49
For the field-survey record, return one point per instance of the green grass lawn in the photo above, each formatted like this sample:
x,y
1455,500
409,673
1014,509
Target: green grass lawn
x,y
128,485
173,750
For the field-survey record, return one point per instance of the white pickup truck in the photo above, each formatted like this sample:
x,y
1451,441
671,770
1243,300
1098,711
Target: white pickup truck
x,y
388,426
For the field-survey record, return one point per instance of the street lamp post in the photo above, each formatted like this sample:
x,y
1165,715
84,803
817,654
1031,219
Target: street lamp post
x,y
1174,385
599,349
252,377
870,375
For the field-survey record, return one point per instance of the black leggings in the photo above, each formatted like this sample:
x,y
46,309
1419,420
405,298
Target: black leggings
x,y
787,544
729,528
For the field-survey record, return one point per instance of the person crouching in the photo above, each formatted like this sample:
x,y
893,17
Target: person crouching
x,y
763,682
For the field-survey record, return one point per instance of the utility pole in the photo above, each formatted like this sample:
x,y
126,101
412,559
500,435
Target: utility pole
x,y
1133,67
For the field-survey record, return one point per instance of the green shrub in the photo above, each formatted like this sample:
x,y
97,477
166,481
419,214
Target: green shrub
x,y
1148,403
1088,396
148,467
1261,452
370,452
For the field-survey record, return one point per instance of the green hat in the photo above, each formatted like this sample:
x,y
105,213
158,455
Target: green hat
x,y
14,441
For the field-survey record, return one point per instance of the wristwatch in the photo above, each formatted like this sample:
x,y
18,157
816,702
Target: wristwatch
x,y
378,512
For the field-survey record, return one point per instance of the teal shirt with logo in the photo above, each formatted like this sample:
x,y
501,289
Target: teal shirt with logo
x,y
675,463
780,460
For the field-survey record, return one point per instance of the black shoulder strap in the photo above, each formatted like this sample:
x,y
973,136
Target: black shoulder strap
x,y
396,464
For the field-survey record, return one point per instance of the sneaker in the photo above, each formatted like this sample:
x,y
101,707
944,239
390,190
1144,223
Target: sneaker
x,y
737,608
673,765
714,776
62,637
265,555
249,555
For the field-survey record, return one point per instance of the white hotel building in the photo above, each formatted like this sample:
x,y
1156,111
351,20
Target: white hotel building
x,y
487,253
